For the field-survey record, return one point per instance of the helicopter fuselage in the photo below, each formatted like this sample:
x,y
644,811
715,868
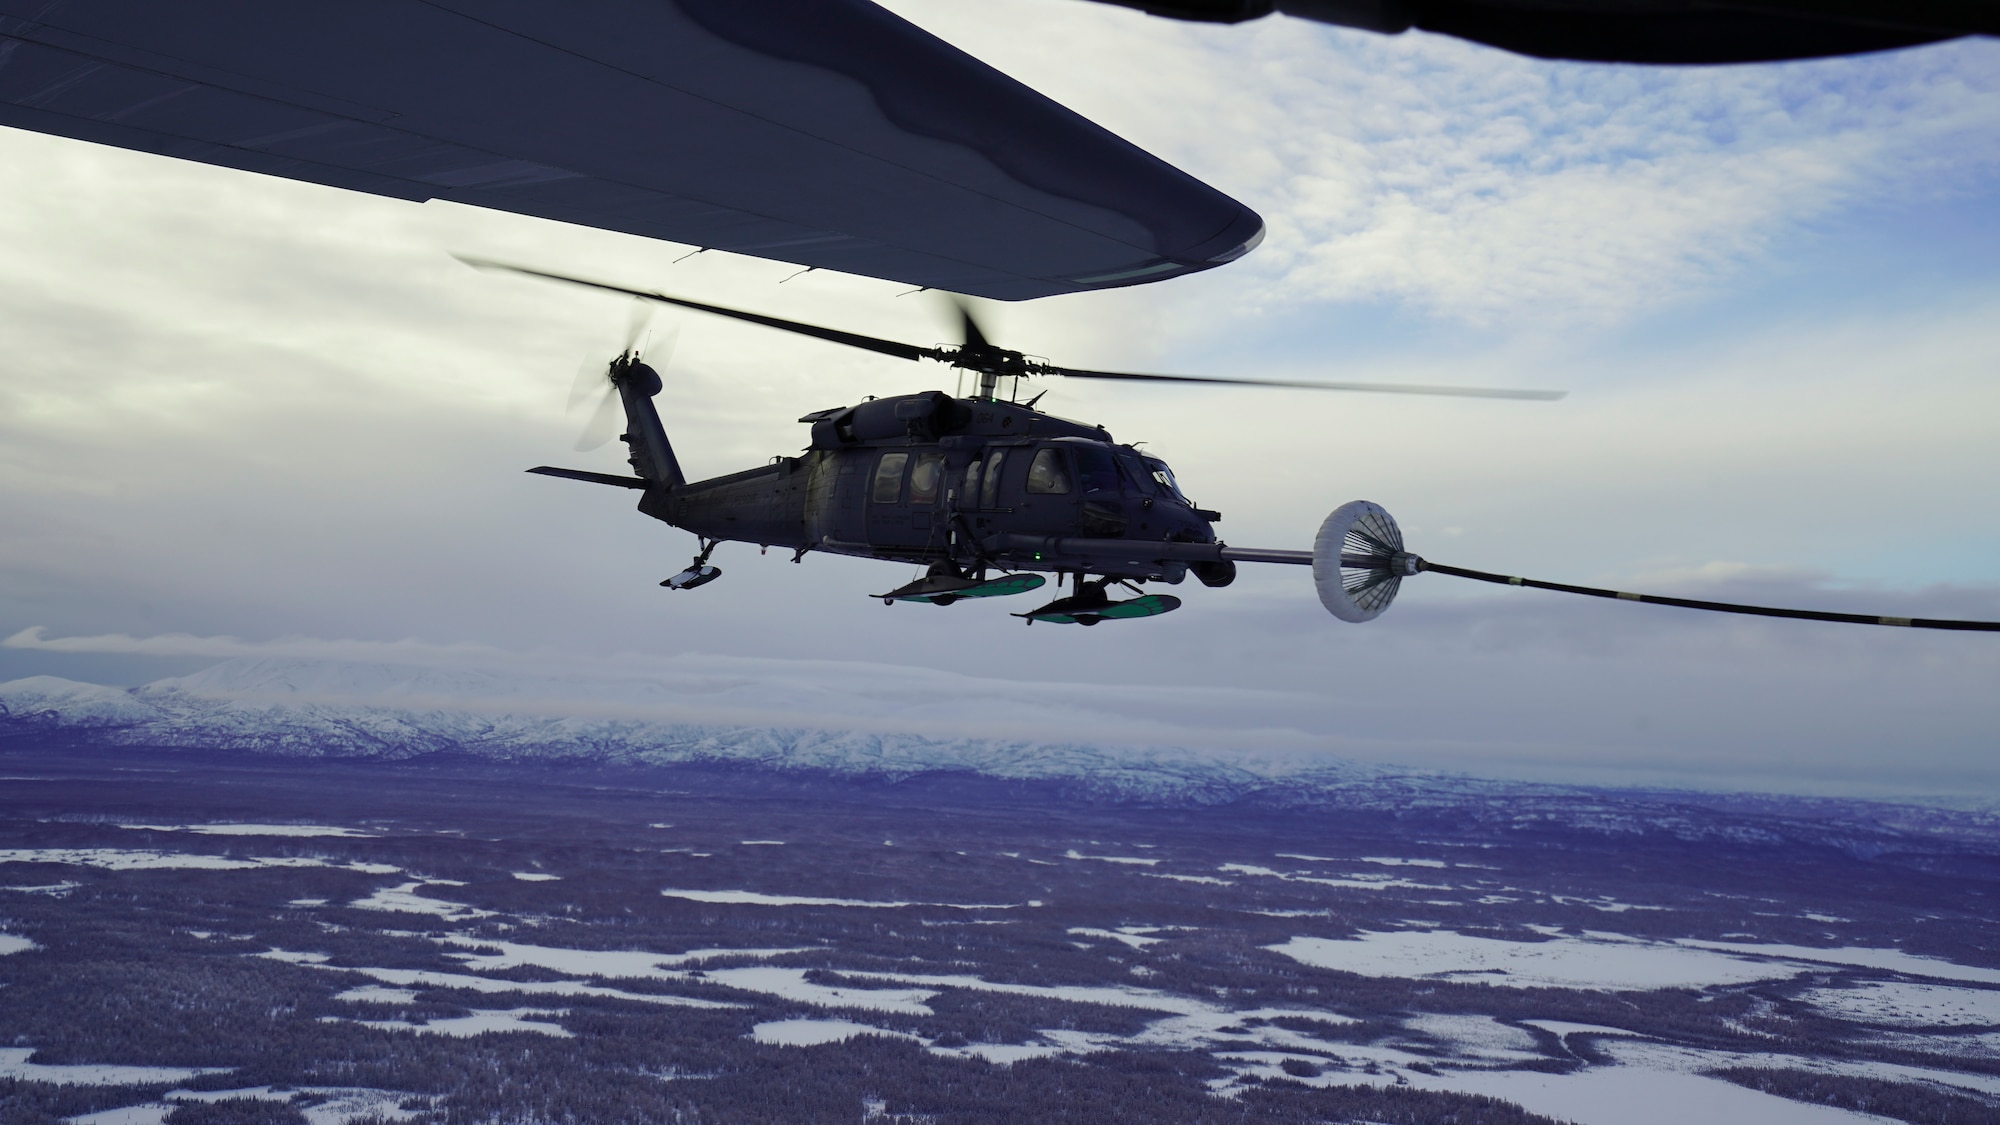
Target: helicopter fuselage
x,y
970,484
964,483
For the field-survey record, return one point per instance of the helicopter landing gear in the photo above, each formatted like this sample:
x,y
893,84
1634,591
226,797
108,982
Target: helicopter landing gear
x,y
698,573
1091,604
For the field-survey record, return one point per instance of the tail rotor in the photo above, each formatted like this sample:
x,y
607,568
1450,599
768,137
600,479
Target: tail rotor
x,y
596,383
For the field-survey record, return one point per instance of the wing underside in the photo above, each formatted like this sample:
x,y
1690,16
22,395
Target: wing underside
x,y
826,133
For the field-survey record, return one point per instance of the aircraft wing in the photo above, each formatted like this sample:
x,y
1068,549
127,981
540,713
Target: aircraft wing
x,y
825,133
1636,31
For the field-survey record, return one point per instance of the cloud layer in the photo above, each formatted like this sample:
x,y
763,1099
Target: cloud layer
x,y
241,414
1478,185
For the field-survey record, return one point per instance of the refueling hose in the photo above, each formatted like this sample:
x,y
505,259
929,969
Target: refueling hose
x,y
1718,607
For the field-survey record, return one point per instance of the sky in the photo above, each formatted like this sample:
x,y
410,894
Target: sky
x,y
241,416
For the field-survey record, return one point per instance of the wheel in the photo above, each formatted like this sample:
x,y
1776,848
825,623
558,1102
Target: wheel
x,y
943,599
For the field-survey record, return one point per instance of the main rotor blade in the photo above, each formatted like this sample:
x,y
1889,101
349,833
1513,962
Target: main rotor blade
x,y
969,332
834,335
1369,388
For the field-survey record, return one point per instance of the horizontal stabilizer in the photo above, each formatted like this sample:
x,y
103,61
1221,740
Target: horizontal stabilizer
x,y
593,478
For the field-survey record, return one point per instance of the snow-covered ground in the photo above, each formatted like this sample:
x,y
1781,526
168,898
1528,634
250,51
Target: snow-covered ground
x,y
404,899
1360,881
1887,960
118,859
377,994
1907,1004
759,898
480,1022
323,1105
302,830
606,963
812,1033
14,1064
791,984
1131,860
1640,1095
427,978
864,725
1299,951
1135,937
1596,960
1114,996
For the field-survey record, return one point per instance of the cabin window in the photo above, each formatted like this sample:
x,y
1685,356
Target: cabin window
x,y
925,478
1047,475
989,491
971,490
1095,470
889,477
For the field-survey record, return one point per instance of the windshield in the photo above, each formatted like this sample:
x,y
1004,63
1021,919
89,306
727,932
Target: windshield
x,y
1164,477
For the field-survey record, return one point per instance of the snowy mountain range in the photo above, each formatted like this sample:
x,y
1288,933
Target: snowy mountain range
x,y
388,712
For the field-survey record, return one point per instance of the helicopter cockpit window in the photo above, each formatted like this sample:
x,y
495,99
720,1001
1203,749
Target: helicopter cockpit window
x,y
989,491
1095,470
925,478
1047,475
1164,477
970,493
889,478
1136,472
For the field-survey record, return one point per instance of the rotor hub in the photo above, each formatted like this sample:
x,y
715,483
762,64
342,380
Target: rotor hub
x,y
989,360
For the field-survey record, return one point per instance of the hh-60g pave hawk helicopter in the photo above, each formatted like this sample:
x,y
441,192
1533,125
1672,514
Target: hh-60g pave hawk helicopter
x,y
986,491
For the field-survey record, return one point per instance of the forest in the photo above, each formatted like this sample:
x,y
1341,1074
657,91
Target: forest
x,y
459,943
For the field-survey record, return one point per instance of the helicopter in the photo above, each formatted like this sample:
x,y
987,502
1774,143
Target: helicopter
x,y
989,494
985,491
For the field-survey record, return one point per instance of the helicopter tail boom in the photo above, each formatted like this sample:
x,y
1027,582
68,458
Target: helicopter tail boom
x,y
645,435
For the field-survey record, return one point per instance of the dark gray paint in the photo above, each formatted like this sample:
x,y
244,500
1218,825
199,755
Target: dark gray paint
x,y
826,133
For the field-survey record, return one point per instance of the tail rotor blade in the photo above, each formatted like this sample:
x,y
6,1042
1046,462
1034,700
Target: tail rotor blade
x,y
603,424
665,356
592,377
635,326
594,385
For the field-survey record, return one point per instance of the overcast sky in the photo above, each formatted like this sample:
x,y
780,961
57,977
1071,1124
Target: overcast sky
x,y
245,416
